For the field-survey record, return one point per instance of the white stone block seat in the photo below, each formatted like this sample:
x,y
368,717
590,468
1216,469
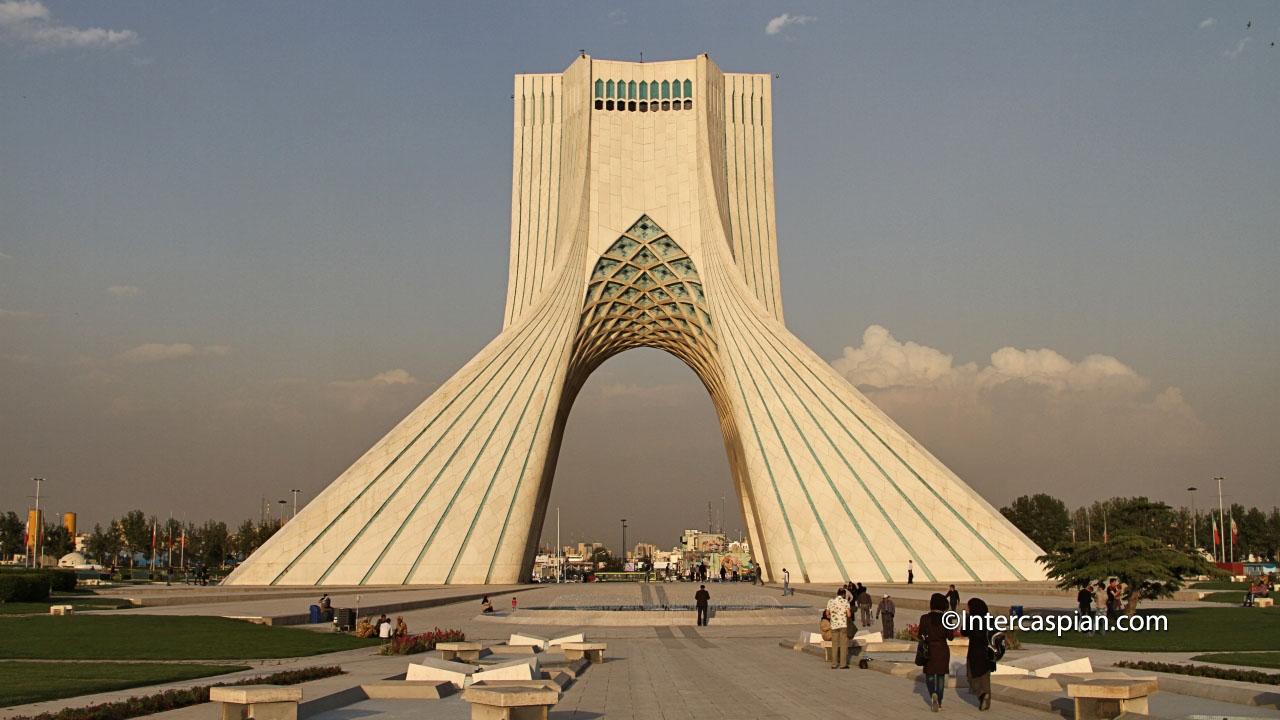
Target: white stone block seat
x,y
60,610
261,702
510,703
1263,602
593,651
466,651
1106,699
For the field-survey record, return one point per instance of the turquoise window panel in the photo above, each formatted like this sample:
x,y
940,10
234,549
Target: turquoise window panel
x,y
604,268
659,294
675,89
644,281
684,266
666,89
644,301
697,291
678,290
688,88
599,88
644,228
631,89
662,273
644,90
644,257
629,294
593,291
626,272
611,289
688,310
622,247
608,89
666,247
653,90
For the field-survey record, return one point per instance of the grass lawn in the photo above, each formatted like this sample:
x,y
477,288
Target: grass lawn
x,y
160,637
1220,585
1236,598
28,682
1262,659
1190,630
79,602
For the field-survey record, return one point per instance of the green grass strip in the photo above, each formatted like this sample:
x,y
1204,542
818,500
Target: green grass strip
x,y
1190,630
1217,673
29,682
160,637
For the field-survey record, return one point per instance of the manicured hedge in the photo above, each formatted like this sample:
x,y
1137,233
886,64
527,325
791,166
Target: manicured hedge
x,y
1208,671
23,587
423,642
174,699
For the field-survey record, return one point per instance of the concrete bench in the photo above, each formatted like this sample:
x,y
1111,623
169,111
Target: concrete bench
x,y
261,702
466,651
1257,602
510,703
60,609
1106,699
594,651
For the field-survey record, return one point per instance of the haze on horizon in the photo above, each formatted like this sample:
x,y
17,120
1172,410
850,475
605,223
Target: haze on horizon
x,y
237,244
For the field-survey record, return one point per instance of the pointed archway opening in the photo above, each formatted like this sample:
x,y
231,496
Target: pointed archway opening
x,y
642,442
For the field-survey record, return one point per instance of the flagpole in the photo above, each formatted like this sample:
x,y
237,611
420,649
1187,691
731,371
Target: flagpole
x,y
1222,522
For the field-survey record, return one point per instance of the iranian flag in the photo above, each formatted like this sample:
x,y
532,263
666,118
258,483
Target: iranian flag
x,y
1216,538
1235,532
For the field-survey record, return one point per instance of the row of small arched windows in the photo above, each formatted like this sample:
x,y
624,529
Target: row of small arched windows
x,y
643,106
653,90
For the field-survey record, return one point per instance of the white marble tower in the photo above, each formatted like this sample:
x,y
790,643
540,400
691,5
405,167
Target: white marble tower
x,y
642,215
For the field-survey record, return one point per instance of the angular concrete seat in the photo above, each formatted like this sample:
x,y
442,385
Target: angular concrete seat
x,y
261,702
526,669
510,703
60,610
1263,602
1106,699
467,651
594,651
562,639
407,690
528,640
429,669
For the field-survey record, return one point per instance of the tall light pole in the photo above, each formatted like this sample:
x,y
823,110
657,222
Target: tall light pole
x,y
282,512
1222,520
624,542
559,551
1195,544
295,503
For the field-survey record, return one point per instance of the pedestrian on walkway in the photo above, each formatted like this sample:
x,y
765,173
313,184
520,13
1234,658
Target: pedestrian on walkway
x,y
939,662
885,611
839,613
513,603
786,582
702,598
953,597
864,608
911,572
977,662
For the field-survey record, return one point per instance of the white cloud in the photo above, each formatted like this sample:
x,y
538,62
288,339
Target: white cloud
x,y
158,352
1233,54
1026,416
124,291
777,24
17,314
359,395
30,23
95,376
1207,23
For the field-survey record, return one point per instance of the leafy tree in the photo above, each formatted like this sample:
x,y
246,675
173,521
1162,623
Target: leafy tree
x,y
246,539
214,543
1147,568
12,534
57,541
136,532
104,545
1043,518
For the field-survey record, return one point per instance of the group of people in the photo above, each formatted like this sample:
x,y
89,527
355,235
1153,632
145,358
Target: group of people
x,y
382,628
978,660
1098,597
1260,587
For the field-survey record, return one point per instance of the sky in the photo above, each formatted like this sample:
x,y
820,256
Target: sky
x,y
238,242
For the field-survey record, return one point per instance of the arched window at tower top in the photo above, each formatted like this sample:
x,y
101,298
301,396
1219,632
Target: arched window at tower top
x,y
599,88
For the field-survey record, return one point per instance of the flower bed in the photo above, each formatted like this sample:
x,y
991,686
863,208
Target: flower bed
x,y
174,699
410,644
1208,671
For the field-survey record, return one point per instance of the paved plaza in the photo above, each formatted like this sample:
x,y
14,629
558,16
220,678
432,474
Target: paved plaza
x,y
669,671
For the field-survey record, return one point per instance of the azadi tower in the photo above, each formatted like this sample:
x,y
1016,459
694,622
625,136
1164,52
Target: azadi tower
x,y
642,215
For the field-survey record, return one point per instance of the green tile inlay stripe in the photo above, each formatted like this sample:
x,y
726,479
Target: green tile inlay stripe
x,y
831,546
905,464
443,468
514,338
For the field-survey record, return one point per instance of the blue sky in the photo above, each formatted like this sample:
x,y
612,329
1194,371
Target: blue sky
x,y
241,240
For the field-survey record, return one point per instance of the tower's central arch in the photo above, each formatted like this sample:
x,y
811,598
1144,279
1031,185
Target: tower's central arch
x,y
643,216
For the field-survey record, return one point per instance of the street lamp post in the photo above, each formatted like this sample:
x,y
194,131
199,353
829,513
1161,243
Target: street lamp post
x,y
1195,544
1222,527
295,502
39,528
281,512
624,542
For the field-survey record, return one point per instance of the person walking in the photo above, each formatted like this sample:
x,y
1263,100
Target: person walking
x,y
838,614
1113,601
935,636
977,663
786,582
864,608
953,597
702,598
911,572
1084,602
885,611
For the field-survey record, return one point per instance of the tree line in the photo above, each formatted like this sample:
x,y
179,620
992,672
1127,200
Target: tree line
x,y
128,538
1047,521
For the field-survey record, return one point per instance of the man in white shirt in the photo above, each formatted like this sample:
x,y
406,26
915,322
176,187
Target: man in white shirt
x,y
786,582
839,612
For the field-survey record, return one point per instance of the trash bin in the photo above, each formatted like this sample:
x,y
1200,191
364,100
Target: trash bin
x,y
345,619
1016,610
315,613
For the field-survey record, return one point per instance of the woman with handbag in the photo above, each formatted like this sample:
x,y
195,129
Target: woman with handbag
x,y
978,660
933,649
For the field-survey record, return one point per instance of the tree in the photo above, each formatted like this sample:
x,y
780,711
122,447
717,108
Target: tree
x,y
213,543
1147,567
136,532
13,534
57,541
246,540
1043,518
